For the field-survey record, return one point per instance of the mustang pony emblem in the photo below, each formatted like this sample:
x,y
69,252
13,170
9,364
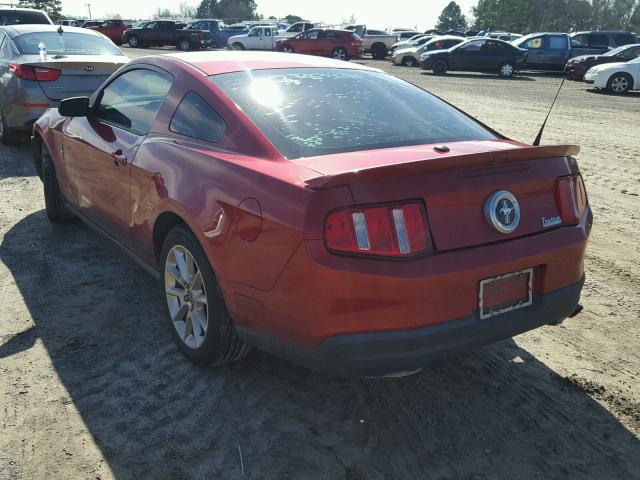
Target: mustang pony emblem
x,y
502,211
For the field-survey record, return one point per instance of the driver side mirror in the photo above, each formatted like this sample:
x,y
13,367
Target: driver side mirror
x,y
74,107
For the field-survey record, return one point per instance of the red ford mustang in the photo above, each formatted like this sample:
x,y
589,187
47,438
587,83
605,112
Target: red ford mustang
x,y
322,211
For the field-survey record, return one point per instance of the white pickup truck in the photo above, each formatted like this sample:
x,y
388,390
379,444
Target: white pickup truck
x,y
258,38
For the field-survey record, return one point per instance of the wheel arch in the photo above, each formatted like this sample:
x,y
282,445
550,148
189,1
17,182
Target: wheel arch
x,y
164,223
626,74
36,151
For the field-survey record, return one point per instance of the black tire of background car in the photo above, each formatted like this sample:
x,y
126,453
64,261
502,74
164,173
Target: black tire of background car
x,y
238,46
221,342
439,67
409,62
620,75
502,65
55,206
343,51
378,51
288,49
8,136
184,44
134,41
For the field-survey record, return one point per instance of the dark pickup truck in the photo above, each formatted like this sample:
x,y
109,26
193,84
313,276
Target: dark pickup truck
x,y
161,32
550,51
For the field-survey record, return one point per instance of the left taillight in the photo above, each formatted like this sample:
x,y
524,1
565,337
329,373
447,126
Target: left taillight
x,y
571,198
394,230
28,72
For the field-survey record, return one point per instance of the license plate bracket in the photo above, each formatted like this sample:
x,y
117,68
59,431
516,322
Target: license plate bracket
x,y
505,293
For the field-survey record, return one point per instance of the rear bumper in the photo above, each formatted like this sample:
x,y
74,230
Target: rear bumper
x,y
382,353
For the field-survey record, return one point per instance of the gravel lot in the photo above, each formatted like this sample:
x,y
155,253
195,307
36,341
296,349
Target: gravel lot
x,y
93,388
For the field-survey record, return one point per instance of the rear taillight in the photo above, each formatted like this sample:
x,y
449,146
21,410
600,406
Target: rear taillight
x,y
397,230
41,74
571,198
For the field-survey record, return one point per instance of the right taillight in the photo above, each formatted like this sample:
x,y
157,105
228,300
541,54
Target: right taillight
x,y
394,230
571,198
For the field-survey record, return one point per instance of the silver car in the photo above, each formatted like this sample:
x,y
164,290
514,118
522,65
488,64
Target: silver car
x,y
410,56
43,64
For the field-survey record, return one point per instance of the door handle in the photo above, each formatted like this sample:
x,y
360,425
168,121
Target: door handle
x,y
119,159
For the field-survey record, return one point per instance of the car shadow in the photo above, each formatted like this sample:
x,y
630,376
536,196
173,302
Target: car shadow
x,y
476,76
495,413
632,94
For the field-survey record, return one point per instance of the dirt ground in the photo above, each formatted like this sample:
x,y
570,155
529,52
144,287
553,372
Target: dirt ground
x,y
92,386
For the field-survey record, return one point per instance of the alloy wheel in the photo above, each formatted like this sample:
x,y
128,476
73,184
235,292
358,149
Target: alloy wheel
x,y
184,45
409,62
619,84
133,42
287,49
186,296
340,54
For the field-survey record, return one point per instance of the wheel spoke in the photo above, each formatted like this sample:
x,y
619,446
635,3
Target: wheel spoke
x,y
180,314
173,270
176,292
182,266
198,318
200,298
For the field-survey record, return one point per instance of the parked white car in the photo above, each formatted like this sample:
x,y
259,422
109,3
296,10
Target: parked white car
x,y
618,78
410,56
258,38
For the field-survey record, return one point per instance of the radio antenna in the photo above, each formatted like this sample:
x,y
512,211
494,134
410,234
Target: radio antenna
x,y
536,142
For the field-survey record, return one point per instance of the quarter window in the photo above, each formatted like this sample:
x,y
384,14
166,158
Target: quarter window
x,y
195,118
598,40
557,43
133,99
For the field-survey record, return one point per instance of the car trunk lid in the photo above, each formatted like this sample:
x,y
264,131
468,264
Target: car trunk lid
x,y
80,75
454,184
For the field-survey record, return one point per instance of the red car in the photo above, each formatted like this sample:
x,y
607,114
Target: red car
x,y
338,44
113,29
286,205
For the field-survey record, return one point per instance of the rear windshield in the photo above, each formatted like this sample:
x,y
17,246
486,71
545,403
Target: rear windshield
x,y
65,44
22,17
308,112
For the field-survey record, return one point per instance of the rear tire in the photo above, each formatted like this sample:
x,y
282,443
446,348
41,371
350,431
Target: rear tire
x,y
134,41
204,332
8,135
507,69
439,67
340,53
619,83
378,51
55,206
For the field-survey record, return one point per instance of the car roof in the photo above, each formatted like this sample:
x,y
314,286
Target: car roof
x,y
217,62
17,30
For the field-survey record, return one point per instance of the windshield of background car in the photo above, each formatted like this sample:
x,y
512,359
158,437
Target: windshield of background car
x,y
23,17
65,44
307,112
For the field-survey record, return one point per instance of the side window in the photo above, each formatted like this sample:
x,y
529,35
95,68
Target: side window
x,y
622,39
107,24
473,47
133,99
598,40
534,43
311,35
5,50
195,118
580,40
296,28
557,42
274,32
267,32
152,26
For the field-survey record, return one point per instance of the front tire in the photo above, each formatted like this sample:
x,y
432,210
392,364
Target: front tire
x,y
409,62
185,45
340,53
134,41
238,46
287,49
619,83
439,67
194,306
55,206
507,69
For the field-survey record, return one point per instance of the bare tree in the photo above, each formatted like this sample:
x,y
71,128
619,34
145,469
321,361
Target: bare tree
x,y
187,10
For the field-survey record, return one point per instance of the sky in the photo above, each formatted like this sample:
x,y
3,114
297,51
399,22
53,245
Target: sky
x,y
375,14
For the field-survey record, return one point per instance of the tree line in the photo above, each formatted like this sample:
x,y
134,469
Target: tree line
x,y
526,16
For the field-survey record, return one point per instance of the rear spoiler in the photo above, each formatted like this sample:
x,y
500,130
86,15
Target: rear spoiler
x,y
444,161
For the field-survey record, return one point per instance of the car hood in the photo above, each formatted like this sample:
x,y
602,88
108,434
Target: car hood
x,y
405,50
609,66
